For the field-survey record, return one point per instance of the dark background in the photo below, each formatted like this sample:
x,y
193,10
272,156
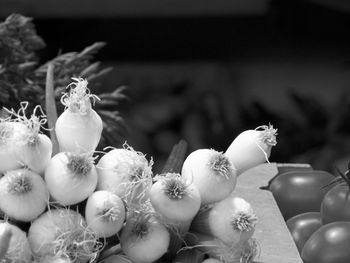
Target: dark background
x,y
208,76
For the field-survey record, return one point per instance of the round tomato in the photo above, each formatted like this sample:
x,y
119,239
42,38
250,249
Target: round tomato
x,y
335,205
299,192
303,226
328,244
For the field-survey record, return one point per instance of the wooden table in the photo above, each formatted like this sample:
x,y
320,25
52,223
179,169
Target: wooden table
x,y
272,234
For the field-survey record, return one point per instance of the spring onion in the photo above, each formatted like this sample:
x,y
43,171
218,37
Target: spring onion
x,y
71,177
79,127
104,213
211,172
127,173
143,238
64,233
18,248
177,202
231,220
23,194
252,147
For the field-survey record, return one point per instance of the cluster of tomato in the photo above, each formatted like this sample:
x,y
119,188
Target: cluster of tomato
x,y
316,207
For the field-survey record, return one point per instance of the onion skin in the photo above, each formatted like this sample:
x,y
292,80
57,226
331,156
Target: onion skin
x,y
23,205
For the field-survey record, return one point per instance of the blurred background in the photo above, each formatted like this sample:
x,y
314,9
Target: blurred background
x,y
204,70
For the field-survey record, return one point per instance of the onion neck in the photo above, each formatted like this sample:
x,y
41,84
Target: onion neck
x,y
82,107
77,100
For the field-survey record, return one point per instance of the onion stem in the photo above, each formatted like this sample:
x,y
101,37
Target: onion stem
x,y
50,106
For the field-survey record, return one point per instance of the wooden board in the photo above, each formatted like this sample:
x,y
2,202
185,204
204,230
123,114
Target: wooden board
x,y
272,234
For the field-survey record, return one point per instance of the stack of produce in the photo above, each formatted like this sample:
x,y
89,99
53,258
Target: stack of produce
x,y
82,205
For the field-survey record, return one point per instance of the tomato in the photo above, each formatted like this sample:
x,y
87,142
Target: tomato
x,y
335,205
329,244
299,192
302,226
293,167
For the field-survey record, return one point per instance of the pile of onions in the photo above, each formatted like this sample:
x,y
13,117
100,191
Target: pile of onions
x,y
117,209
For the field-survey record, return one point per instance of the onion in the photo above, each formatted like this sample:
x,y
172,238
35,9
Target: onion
x,y
116,259
216,249
55,259
126,173
70,177
144,239
30,148
9,132
188,255
62,232
23,194
104,213
211,172
79,127
252,147
177,202
231,220
18,249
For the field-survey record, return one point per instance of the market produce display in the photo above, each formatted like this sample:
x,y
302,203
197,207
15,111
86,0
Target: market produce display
x,y
83,205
